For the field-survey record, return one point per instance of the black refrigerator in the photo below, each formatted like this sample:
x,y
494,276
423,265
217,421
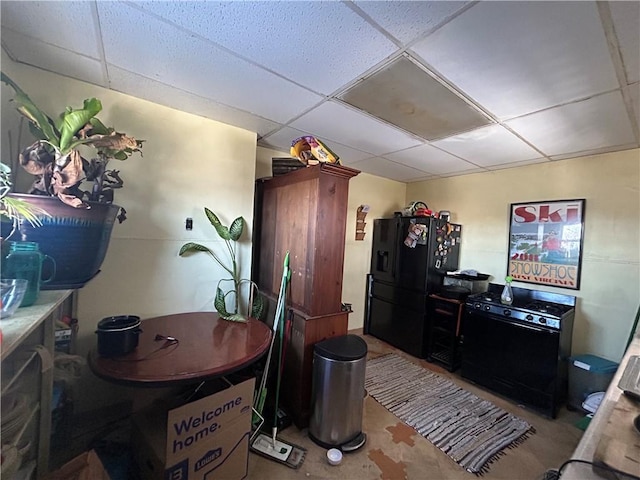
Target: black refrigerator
x,y
409,258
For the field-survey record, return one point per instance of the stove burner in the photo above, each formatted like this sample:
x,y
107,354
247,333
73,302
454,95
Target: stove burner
x,y
544,308
490,297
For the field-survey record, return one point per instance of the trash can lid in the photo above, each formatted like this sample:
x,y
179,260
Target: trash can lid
x,y
344,347
593,363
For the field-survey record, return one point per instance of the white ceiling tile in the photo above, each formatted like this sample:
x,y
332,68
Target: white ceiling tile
x,y
626,21
387,169
347,154
280,139
519,57
595,151
147,89
68,25
511,58
430,159
465,172
634,94
422,179
195,65
54,59
503,166
409,20
335,122
277,42
598,122
492,145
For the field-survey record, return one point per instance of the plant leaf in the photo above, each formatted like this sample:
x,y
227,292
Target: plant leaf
x,y
193,247
15,207
223,231
235,317
99,128
258,307
37,118
235,230
220,304
74,120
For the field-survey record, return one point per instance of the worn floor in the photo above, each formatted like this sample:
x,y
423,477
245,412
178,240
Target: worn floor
x,y
394,451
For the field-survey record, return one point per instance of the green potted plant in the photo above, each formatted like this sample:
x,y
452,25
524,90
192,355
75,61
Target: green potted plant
x,y
231,235
77,232
14,209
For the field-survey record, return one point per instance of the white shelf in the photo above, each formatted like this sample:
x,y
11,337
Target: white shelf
x,y
26,336
26,319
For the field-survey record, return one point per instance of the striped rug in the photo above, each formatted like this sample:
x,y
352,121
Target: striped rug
x,y
472,431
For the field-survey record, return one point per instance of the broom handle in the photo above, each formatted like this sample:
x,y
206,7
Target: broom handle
x,y
286,275
263,380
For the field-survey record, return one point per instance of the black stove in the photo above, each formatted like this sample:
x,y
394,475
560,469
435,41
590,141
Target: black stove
x,y
519,350
530,306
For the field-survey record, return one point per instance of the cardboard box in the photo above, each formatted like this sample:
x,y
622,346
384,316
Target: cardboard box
x,y
86,466
207,438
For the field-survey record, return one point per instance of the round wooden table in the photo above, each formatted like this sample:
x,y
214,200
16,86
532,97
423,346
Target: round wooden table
x,y
206,347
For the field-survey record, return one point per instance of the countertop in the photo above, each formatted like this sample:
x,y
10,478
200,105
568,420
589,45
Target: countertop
x,y
26,319
587,446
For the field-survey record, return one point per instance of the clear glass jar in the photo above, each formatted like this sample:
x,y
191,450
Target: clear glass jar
x,y
24,261
506,297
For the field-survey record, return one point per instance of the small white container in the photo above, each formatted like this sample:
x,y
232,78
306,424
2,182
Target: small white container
x,y
334,456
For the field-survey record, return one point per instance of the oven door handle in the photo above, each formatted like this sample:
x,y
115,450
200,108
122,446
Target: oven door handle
x,y
534,328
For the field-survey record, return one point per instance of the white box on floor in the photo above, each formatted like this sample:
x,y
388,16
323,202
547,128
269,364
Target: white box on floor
x,y
207,438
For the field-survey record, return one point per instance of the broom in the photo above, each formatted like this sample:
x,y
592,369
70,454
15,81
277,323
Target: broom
x,y
261,393
288,454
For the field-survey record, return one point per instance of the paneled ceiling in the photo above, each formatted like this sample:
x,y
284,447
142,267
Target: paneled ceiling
x,y
400,89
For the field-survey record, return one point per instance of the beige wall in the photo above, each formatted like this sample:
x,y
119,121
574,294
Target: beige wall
x,y
189,162
384,197
610,282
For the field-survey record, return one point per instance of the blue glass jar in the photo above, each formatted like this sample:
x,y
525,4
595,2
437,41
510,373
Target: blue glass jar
x,y
24,260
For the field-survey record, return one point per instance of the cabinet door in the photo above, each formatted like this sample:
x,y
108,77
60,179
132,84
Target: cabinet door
x,y
398,326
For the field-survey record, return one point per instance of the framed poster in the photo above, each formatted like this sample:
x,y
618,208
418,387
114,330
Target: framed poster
x,y
545,242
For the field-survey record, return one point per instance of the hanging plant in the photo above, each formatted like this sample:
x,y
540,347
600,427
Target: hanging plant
x,y
55,157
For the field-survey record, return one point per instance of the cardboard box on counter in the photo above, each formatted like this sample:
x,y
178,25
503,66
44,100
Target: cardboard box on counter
x,y
207,438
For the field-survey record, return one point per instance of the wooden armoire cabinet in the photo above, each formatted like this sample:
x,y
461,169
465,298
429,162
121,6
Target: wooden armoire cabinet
x,y
303,212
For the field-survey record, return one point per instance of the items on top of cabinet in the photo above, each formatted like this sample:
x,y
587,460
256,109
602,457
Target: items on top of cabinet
x,y
417,209
420,209
311,151
284,165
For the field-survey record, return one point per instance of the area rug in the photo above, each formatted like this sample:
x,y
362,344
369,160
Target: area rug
x,y
472,431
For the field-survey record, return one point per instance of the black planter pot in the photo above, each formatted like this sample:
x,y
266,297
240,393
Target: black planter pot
x,y
76,238
118,335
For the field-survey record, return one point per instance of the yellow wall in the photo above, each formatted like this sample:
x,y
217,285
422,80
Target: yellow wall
x,y
610,281
384,197
189,162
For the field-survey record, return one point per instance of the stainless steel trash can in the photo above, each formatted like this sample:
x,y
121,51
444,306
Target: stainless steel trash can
x,y
337,397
